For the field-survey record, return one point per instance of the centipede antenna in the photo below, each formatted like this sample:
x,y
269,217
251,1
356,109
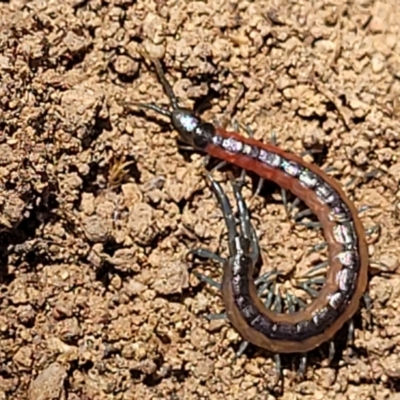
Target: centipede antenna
x,y
154,107
164,82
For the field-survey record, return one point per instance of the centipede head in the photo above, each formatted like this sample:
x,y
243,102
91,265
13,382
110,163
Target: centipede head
x,y
192,130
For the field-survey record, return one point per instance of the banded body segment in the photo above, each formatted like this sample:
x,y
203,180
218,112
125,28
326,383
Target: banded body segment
x,y
347,275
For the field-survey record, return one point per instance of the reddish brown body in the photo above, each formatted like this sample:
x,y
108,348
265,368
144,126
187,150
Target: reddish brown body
x,y
321,211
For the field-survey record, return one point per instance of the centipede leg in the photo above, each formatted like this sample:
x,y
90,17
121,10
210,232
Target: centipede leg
x,y
316,268
206,254
301,371
308,212
305,286
206,279
290,303
368,306
301,214
331,352
242,348
370,174
350,333
277,308
313,225
214,317
303,358
278,368
269,300
300,302
220,165
264,279
350,341
373,229
309,224
317,247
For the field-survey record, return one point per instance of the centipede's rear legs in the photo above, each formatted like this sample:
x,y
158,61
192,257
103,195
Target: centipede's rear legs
x,y
248,244
247,237
251,240
263,282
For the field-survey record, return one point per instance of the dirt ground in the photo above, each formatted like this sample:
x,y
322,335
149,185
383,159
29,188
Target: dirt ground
x,y
99,206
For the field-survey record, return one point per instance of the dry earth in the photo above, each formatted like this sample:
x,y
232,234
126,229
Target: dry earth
x,y
99,206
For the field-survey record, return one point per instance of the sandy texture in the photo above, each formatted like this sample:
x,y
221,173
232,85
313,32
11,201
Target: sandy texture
x,y
98,207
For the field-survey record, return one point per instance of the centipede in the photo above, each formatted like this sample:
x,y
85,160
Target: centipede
x,y
305,328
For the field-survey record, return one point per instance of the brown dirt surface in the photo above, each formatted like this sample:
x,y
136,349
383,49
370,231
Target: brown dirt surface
x,y
98,206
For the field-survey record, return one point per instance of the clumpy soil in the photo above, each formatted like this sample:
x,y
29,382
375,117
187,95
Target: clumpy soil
x,y
98,206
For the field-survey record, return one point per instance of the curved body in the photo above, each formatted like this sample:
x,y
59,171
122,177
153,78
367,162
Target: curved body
x,y
347,276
